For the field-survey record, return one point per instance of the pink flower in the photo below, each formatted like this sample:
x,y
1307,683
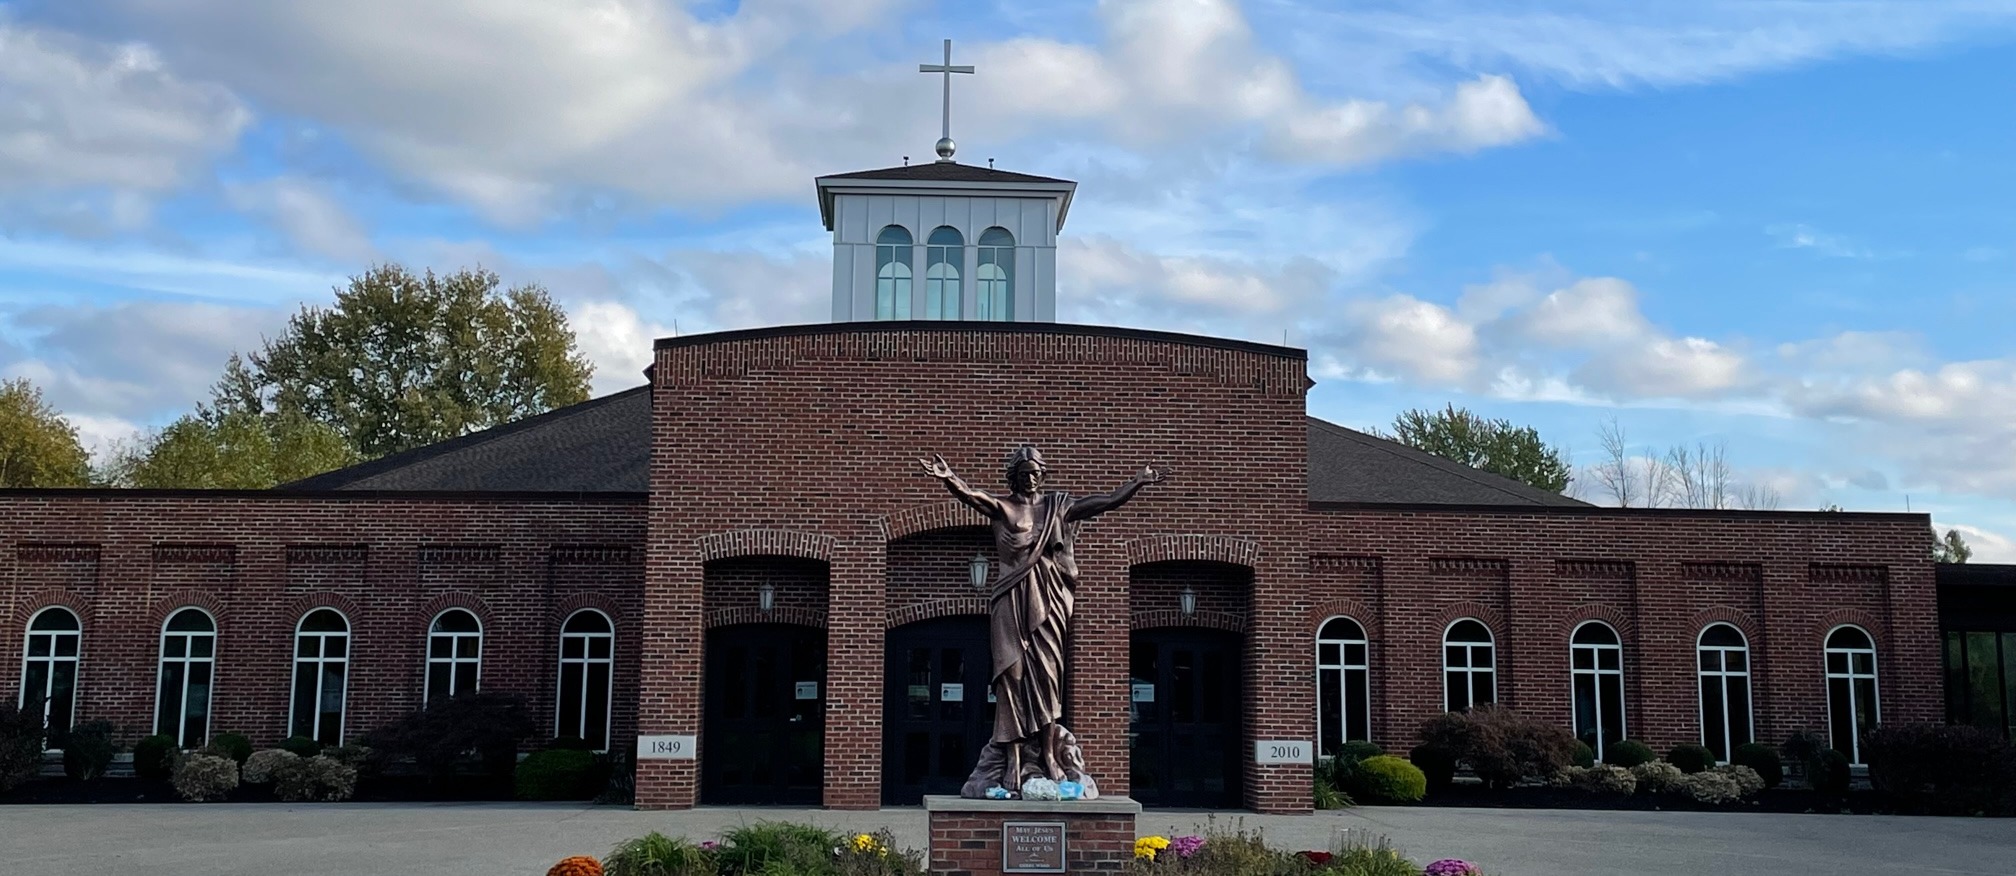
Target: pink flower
x,y
1452,867
1185,846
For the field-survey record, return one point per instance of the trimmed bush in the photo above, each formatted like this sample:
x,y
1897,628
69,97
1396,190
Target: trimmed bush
x,y
204,778
1948,769
440,736
1748,782
1691,757
1629,753
1761,758
236,746
1711,787
1584,757
1502,746
20,744
154,758
1606,779
88,750
1387,779
301,745
1828,773
314,779
1345,758
1657,777
260,766
556,774
1437,764
357,757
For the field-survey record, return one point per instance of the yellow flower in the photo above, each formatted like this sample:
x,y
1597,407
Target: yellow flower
x,y
868,843
1147,846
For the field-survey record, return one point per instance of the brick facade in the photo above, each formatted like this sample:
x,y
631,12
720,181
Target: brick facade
x,y
789,458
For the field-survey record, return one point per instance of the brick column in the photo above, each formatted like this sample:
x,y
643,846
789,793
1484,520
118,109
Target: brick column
x,y
855,613
1533,662
675,638
1666,695
1280,683
1909,668
1096,701
1787,691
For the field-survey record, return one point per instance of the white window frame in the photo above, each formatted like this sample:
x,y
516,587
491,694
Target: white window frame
x,y
1344,666
321,651
453,659
1721,676
76,662
1002,260
1875,685
581,720
944,265
900,287
1471,653
1597,673
161,671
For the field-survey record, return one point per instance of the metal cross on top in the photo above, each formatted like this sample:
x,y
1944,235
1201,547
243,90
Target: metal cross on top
x,y
945,130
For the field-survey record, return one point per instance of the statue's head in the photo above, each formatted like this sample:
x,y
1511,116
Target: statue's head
x,y
1026,470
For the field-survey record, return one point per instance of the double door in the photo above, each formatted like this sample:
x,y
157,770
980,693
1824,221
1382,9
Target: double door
x,y
764,718
1184,710
938,709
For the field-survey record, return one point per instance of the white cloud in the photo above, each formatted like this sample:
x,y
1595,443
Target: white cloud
x,y
1591,312
617,340
1420,339
307,214
1988,547
1666,368
132,361
1485,112
1798,236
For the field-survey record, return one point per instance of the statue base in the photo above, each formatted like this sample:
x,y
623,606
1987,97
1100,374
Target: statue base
x,y
1001,837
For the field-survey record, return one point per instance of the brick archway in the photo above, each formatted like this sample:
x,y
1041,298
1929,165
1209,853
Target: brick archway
x,y
764,543
949,514
1211,548
176,600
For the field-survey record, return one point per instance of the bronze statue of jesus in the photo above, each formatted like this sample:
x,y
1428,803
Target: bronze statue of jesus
x,y
1030,610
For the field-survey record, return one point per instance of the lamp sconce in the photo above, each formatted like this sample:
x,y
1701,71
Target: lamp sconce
x,y
1189,601
766,596
977,570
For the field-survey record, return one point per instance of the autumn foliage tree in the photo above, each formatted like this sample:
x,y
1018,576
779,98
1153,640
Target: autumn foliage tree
x,y
38,448
1496,446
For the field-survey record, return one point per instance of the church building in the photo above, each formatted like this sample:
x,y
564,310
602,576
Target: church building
x,y
738,571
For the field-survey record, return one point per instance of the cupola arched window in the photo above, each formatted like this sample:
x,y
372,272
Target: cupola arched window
x,y
1725,689
1469,666
188,663
49,674
1343,685
995,275
1596,664
1851,689
944,253
892,273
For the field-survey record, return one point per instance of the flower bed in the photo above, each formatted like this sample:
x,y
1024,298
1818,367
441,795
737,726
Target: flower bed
x,y
1214,851
764,849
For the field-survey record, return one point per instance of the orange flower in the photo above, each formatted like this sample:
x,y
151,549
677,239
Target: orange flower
x,y
578,865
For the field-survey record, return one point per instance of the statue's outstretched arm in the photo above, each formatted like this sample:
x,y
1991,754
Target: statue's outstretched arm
x,y
1092,506
981,500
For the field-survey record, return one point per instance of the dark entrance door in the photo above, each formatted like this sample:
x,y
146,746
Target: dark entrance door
x,y
938,709
763,715
1184,730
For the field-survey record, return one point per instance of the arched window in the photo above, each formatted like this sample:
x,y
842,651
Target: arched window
x,y
188,662
1596,667
1725,689
1343,685
454,654
944,253
995,275
587,668
1469,666
49,674
892,273
1851,689
321,674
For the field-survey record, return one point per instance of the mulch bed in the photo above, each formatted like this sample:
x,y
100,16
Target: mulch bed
x,y
380,789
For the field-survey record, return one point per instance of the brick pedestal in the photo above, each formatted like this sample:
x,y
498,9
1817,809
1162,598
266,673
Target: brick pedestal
x,y
967,835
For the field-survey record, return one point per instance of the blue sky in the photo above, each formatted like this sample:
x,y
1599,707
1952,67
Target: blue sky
x,y
1778,227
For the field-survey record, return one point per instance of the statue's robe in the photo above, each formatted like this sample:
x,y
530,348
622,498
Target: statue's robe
x,y
1028,617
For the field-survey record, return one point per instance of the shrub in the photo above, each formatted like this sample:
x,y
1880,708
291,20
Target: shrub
x,y
1711,787
1502,746
1657,777
154,758
1436,763
620,782
1748,782
88,750
1343,759
1629,753
1387,779
655,854
1361,854
20,744
438,736
236,746
1828,773
1584,756
772,847
260,766
1326,795
1691,757
1761,758
301,745
361,758
1606,779
203,778
1952,769
313,779
572,743
556,774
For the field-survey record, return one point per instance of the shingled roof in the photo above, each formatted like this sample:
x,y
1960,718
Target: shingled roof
x,y
945,171
604,445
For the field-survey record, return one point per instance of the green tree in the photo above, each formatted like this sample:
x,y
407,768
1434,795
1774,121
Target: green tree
x,y
1495,446
231,450
38,448
403,360
1951,549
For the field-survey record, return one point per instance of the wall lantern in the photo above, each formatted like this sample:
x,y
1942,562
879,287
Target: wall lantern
x,y
977,569
766,596
1189,599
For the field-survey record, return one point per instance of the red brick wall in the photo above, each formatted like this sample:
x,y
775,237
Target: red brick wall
x,y
259,561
